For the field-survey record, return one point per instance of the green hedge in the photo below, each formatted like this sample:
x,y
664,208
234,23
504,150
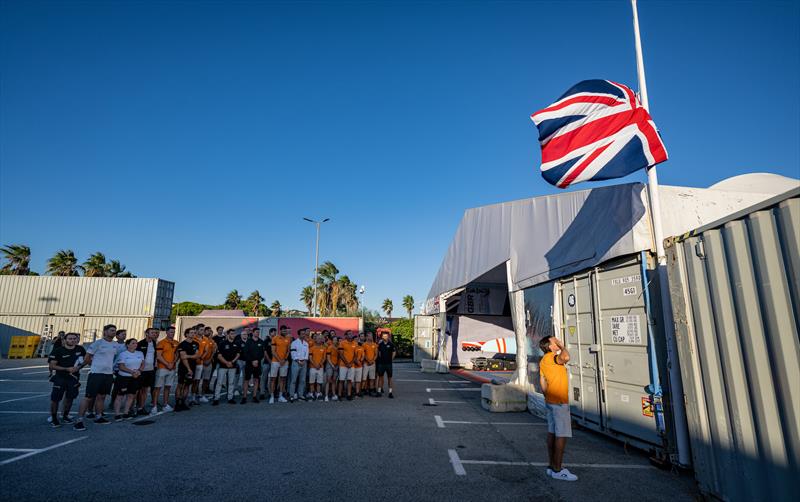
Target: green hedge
x,y
403,336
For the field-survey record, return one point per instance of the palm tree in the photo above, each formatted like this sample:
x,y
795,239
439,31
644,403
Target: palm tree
x,y
18,259
64,263
323,302
95,266
408,304
116,269
275,309
307,297
335,293
349,296
328,272
326,279
255,302
233,300
387,307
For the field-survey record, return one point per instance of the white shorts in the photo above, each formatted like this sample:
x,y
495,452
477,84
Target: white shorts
x,y
559,421
198,372
207,371
275,368
330,374
357,373
345,373
369,371
165,378
316,375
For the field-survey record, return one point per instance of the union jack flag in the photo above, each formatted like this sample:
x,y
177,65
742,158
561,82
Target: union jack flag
x,y
597,130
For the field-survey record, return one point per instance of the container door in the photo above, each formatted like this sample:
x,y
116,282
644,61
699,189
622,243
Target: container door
x,y
578,331
622,324
423,337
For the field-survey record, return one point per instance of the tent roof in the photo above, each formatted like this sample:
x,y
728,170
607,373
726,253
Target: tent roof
x,y
552,236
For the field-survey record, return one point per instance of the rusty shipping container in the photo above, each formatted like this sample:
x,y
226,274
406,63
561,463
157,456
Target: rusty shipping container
x,y
734,288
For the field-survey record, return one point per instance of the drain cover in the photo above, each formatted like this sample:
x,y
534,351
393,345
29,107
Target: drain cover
x,y
143,422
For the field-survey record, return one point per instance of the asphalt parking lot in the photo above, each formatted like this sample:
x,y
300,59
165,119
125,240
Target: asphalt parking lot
x,y
433,442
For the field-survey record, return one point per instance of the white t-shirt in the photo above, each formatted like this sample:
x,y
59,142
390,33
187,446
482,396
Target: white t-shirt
x,y
103,354
150,359
299,349
132,360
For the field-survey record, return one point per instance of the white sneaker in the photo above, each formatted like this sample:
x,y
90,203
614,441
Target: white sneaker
x,y
335,397
154,411
203,399
294,396
564,475
236,393
281,399
167,408
326,399
271,399
549,472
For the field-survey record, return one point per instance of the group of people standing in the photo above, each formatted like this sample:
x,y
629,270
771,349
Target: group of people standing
x,y
204,366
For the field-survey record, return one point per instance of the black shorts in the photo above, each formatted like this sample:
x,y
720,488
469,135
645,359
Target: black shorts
x,y
183,375
147,379
382,368
64,386
250,371
98,384
126,385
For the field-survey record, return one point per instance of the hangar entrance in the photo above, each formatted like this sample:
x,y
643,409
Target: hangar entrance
x,y
479,325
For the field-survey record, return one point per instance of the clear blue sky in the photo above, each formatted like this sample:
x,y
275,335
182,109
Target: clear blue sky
x,y
189,139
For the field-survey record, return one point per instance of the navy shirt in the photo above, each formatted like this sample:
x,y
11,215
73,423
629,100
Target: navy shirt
x,y
65,357
228,350
385,351
253,350
190,348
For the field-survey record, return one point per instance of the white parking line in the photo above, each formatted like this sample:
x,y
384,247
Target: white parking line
x,y
23,398
458,467
16,392
36,373
148,416
434,402
33,452
17,450
434,381
43,380
471,389
441,423
26,412
23,368
458,464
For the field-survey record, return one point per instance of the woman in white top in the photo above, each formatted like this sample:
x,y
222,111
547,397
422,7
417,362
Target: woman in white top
x,y
129,363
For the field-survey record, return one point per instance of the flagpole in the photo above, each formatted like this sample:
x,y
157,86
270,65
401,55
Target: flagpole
x,y
675,380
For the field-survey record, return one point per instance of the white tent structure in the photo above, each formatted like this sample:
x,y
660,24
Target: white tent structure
x,y
547,237
524,243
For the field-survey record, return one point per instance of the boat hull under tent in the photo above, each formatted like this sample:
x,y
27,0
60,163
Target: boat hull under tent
x,y
579,265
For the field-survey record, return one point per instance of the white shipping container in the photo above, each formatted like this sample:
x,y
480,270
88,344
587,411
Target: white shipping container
x,y
87,296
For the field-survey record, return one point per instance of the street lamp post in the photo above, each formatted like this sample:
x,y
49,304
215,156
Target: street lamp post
x,y
316,260
363,307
